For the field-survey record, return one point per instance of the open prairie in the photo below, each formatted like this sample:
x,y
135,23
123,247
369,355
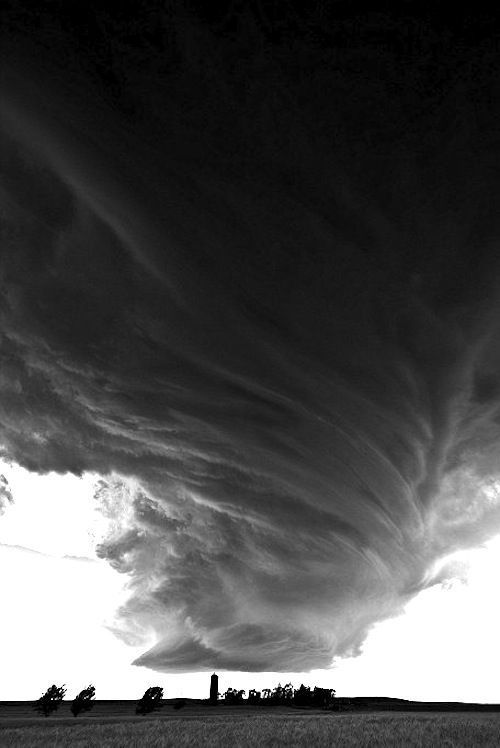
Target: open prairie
x,y
114,724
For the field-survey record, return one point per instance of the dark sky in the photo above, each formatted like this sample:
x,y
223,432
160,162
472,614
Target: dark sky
x,y
250,276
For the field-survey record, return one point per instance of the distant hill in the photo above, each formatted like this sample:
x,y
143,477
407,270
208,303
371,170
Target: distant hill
x,y
386,703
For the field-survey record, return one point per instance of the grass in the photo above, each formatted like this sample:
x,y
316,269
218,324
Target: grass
x,y
361,730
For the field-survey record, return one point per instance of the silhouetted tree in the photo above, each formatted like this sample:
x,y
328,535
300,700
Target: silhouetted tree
x,y
287,694
151,700
282,694
232,696
253,696
84,701
277,694
50,701
322,697
302,696
319,697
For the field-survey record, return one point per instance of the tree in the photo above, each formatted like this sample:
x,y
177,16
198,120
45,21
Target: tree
x,y
253,696
282,694
302,696
232,696
50,701
84,701
318,697
322,697
277,694
150,701
287,694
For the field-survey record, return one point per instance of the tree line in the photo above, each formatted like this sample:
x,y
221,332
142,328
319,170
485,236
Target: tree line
x,y
285,695
152,699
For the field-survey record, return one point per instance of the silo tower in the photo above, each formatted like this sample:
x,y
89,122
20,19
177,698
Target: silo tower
x,y
214,688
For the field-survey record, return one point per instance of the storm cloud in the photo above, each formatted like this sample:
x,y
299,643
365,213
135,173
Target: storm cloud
x,y
6,497
253,284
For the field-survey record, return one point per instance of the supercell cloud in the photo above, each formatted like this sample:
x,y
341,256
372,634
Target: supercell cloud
x,y
6,497
250,278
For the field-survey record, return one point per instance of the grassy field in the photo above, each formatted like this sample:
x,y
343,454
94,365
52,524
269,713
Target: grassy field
x,y
231,730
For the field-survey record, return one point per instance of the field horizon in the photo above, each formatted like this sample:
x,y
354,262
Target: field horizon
x,y
18,713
